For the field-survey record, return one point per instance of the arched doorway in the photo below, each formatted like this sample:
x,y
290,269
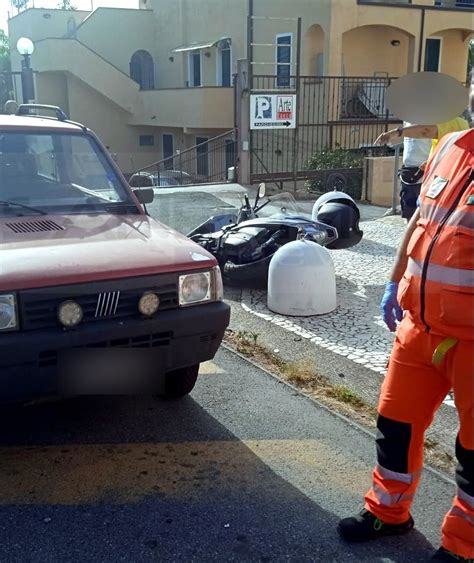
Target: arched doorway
x,y
142,70
313,51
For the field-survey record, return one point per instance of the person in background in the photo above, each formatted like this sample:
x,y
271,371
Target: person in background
x,y
419,144
431,294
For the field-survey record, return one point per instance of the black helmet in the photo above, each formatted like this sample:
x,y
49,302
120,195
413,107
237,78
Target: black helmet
x,y
340,211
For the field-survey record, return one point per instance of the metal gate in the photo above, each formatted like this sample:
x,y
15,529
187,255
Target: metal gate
x,y
336,119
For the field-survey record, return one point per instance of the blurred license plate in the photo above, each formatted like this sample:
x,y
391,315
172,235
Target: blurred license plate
x,y
110,371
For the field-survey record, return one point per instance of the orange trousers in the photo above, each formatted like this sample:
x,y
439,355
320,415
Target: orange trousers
x,y
413,390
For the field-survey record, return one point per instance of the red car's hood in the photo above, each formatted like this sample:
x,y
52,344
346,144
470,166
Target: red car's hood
x,y
83,248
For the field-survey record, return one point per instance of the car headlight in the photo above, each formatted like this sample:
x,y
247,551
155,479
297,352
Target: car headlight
x,y
148,304
8,315
70,314
202,287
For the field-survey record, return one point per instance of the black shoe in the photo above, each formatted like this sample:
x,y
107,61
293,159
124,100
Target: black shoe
x,y
366,526
445,555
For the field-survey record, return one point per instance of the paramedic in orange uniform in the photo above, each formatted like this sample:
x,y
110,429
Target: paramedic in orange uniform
x,y
432,282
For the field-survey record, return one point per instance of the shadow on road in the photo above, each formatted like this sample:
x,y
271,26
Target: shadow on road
x,y
142,479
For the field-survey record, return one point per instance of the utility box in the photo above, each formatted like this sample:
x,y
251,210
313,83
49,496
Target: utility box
x,y
379,180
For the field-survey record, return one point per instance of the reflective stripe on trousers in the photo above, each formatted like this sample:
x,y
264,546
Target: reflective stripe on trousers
x,y
407,478
387,499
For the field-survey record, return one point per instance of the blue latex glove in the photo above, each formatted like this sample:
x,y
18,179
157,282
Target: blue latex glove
x,y
391,311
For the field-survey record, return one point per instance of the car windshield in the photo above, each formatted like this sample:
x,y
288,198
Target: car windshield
x,y
57,172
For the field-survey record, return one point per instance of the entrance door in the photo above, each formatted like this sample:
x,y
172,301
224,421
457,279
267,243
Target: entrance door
x,y
433,54
202,156
229,154
168,150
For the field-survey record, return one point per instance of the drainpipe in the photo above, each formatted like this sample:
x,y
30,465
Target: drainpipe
x,y
422,38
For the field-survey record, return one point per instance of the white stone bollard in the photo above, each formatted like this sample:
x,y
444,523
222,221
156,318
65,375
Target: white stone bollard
x,y
302,280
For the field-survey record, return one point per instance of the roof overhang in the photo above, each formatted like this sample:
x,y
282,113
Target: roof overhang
x,y
199,45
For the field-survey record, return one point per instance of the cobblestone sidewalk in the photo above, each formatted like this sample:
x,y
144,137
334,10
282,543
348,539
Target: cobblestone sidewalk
x,y
355,329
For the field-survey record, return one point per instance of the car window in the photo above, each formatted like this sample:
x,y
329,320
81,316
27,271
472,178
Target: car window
x,y
66,172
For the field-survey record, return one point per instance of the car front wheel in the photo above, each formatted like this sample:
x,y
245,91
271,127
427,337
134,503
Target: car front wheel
x,y
181,382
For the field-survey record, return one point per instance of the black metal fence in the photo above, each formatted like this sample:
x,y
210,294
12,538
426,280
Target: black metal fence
x,y
205,163
335,116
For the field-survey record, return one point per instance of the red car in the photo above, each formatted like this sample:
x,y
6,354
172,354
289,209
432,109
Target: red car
x,y
95,296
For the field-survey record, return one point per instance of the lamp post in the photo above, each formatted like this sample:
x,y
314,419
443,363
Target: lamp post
x,y
26,48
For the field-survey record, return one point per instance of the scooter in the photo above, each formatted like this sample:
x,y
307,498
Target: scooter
x,y
245,241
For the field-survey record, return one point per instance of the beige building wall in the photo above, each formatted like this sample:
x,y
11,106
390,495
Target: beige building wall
x,y
369,49
116,34
52,88
89,77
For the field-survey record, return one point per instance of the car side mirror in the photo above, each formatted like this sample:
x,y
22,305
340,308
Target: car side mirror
x,y
144,195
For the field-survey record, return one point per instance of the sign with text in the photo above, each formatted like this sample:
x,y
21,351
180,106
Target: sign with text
x,y
273,111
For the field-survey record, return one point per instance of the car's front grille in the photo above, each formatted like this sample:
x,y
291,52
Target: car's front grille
x,y
113,299
49,358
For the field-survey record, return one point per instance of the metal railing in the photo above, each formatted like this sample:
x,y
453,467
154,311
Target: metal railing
x,y
435,3
205,163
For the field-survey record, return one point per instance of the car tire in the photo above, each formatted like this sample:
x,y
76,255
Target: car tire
x,y
180,382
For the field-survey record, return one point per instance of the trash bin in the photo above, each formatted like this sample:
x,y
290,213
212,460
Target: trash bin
x,y
302,280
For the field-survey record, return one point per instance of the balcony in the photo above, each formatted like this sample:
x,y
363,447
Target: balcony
x,y
190,108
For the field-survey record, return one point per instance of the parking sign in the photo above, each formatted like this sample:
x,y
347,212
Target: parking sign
x,y
272,111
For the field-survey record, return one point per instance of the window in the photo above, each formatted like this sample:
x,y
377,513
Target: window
x,y
433,54
224,64
283,59
168,150
142,70
147,141
195,68
202,155
57,172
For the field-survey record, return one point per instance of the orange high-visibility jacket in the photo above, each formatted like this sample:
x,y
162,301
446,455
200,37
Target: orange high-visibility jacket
x,y
437,289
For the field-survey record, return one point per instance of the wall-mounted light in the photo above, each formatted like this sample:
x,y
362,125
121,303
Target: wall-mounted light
x,y
207,54
395,43
171,59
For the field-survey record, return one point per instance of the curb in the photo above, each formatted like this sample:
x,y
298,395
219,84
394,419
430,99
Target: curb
x,y
444,477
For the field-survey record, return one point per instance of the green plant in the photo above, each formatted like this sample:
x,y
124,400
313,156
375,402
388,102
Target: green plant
x,y
470,61
333,159
5,70
345,395
329,164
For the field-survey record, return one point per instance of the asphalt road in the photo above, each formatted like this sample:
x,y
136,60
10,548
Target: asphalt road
x,y
244,469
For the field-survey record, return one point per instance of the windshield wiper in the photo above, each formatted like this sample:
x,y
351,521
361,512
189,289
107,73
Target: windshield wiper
x,y
14,204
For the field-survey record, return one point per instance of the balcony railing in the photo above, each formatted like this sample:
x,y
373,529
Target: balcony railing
x,y
453,4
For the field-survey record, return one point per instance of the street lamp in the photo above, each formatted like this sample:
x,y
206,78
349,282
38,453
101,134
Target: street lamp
x,y
26,48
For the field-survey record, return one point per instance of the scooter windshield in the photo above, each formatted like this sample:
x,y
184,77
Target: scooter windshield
x,y
282,204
